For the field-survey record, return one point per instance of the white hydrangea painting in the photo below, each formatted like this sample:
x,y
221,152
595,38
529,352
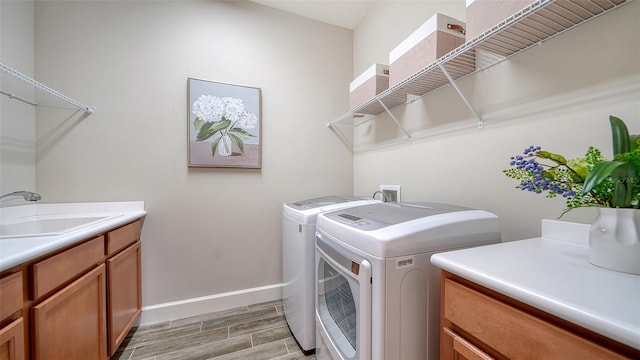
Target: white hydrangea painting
x,y
224,125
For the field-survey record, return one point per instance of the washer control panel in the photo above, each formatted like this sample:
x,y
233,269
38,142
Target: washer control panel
x,y
357,222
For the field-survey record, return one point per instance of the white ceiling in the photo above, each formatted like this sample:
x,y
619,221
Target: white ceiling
x,y
344,13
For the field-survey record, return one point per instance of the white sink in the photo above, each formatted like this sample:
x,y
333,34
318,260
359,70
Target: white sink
x,y
47,225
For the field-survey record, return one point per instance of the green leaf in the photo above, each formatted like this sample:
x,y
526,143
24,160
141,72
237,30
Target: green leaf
x,y
211,127
518,174
221,125
635,141
623,176
197,123
205,131
241,133
581,170
600,172
237,140
548,175
618,199
620,136
559,159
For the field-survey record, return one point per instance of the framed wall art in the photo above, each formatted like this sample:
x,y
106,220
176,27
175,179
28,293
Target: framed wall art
x,y
224,125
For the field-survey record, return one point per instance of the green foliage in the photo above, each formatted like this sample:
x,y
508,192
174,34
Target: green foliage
x,y
558,159
591,180
623,171
209,128
620,136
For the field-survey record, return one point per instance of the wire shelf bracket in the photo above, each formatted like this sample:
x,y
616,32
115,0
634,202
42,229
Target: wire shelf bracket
x,y
464,98
406,133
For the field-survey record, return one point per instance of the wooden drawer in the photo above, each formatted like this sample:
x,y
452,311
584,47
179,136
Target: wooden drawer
x,y
512,332
50,273
120,238
10,294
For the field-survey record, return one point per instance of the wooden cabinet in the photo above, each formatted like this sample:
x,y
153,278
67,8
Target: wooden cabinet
x,y
77,303
125,294
477,323
11,298
71,324
11,321
50,273
459,348
122,237
12,341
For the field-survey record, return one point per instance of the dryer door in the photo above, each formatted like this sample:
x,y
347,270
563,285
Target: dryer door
x,y
343,306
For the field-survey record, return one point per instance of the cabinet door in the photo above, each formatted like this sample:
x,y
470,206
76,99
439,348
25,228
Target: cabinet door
x,y
455,347
125,294
12,341
71,324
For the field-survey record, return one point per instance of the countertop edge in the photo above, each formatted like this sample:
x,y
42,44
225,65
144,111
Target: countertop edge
x,y
123,213
601,326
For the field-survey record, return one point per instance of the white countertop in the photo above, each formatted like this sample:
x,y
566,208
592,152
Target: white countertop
x,y
553,273
19,249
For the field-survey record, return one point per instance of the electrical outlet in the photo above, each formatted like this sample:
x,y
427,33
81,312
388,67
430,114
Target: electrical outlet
x,y
391,192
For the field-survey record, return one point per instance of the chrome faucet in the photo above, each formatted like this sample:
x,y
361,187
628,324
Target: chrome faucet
x,y
26,195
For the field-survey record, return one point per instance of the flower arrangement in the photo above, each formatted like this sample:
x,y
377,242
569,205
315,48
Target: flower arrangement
x,y
590,180
225,116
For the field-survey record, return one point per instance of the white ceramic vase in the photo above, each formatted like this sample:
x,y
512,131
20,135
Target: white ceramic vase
x,y
614,240
225,146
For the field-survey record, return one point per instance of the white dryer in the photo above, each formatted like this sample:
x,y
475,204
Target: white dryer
x,y
298,243
378,296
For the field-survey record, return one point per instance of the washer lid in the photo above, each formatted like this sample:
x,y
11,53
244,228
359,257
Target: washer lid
x,y
377,216
306,211
319,202
386,230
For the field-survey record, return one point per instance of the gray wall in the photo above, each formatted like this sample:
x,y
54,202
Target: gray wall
x,y
558,95
208,230
17,119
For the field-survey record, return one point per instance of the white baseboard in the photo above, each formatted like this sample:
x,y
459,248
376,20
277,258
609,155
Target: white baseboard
x,y
201,305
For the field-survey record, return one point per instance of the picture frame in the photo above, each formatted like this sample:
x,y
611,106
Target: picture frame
x,y
225,125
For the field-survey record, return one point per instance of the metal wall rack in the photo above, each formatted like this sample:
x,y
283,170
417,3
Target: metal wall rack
x,y
536,23
30,91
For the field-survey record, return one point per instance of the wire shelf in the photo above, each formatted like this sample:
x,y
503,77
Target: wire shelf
x,y
536,23
30,91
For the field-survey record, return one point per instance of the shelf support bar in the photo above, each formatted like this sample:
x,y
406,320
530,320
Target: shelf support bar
x,y
464,98
37,85
406,133
17,97
341,136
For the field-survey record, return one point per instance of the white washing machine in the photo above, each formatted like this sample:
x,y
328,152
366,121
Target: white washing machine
x,y
377,294
298,243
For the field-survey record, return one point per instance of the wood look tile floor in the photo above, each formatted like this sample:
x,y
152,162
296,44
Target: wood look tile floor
x,y
255,332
